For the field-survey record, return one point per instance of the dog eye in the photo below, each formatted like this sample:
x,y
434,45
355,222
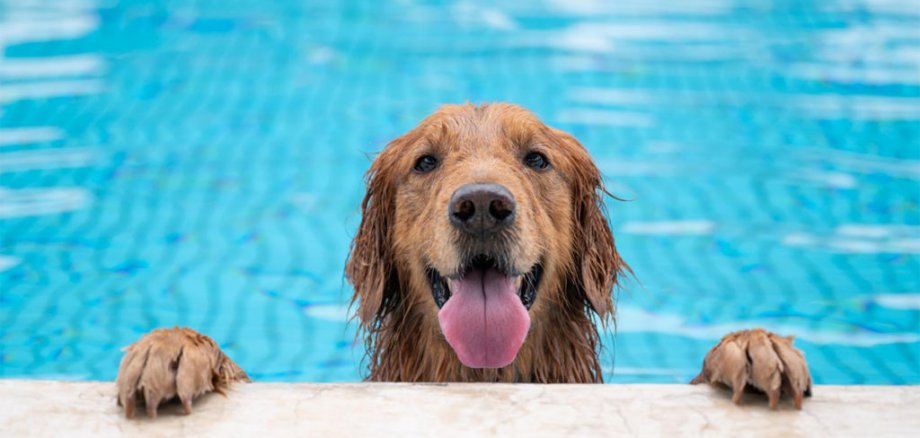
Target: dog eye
x,y
536,160
425,164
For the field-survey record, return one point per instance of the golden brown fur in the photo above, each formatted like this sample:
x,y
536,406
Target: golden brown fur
x,y
173,363
559,224
560,221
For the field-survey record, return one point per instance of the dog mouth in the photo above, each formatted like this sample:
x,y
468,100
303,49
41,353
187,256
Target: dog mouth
x,y
529,282
484,310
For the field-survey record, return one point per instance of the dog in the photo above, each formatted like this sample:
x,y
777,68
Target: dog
x,y
483,255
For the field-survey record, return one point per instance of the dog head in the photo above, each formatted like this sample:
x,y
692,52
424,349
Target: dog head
x,y
483,220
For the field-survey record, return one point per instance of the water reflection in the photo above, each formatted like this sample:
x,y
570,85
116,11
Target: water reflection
x,y
200,164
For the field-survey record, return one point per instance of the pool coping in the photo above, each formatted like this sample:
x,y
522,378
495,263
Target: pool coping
x,y
47,408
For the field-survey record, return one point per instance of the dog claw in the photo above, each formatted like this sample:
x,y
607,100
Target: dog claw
x,y
757,359
129,410
152,410
172,363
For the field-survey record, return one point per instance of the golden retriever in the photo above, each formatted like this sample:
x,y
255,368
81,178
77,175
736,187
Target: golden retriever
x,y
483,255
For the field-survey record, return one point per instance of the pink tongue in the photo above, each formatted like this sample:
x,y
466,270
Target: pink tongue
x,y
484,320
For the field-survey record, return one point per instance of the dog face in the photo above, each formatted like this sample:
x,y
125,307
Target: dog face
x,y
482,221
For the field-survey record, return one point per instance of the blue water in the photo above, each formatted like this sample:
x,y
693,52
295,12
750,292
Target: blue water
x,y
199,163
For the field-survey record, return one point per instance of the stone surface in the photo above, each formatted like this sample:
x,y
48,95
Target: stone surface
x,y
51,408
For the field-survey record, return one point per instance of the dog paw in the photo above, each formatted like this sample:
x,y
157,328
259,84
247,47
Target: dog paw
x,y
759,359
170,363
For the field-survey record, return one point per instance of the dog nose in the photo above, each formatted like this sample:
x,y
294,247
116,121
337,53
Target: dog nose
x,y
481,209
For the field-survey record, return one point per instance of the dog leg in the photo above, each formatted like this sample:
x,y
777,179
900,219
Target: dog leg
x,y
168,363
760,359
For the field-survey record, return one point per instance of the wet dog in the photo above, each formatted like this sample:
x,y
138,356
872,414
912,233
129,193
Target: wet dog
x,y
483,255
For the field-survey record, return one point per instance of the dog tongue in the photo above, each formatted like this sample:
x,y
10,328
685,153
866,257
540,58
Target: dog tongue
x,y
484,320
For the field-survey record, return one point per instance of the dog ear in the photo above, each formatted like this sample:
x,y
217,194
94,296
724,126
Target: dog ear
x,y
597,262
370,267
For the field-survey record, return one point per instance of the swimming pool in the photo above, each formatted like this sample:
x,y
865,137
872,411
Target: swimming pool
x,y
199,164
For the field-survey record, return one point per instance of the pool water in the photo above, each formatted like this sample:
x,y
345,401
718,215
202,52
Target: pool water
x,y
199,163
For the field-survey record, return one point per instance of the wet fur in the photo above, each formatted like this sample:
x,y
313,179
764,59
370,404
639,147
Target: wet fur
x,y
560,220
559,223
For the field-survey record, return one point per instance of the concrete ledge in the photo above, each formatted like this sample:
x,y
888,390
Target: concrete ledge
x,y
46,408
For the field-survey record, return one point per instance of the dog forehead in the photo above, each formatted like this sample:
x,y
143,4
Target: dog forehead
x,y
485,128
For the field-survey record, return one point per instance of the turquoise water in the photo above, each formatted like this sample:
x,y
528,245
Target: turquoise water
x,y
199,163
